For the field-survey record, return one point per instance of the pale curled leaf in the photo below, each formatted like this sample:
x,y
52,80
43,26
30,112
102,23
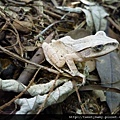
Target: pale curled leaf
x,y
89,19
98,14
88,15
95,16
13,85
86,2
29,106
69,9
44,88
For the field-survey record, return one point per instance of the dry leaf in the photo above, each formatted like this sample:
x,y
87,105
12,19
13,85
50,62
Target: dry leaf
x,y
108,68
88,2
98,15
23,26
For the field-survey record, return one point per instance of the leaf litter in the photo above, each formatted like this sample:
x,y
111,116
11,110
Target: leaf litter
x,y
25,24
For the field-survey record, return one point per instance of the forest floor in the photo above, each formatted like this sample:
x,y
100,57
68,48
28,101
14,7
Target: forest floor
x,y
26,24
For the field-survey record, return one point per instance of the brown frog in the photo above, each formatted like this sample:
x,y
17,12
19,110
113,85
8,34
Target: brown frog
x,y
67,50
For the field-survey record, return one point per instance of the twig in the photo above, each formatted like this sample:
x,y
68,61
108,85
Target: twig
x,y
52,14
45,16
54,2
59,12
17,34
78,95
116,110
27,61
64,2
113,23
17,3
43,104
42,32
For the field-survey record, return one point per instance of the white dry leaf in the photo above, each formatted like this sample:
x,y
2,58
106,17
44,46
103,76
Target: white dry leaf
x,y
86,2
13,85
87,13
31,105
69,9
89,19
44,88
98,15
95,16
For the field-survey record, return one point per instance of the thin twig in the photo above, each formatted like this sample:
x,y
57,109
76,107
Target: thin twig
x,y
43,104
27,61
78,95
17,34
42,32
113,23
17,3
52,14
30,62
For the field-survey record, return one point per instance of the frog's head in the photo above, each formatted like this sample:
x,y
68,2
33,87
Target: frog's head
x,y
96,45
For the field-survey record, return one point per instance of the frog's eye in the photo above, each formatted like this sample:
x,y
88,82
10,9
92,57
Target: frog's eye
x,y
98,48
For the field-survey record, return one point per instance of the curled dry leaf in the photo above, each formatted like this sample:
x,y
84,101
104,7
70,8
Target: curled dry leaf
x,y
31,105
98,17
86,2
95,16
63,88
23,26
13,85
